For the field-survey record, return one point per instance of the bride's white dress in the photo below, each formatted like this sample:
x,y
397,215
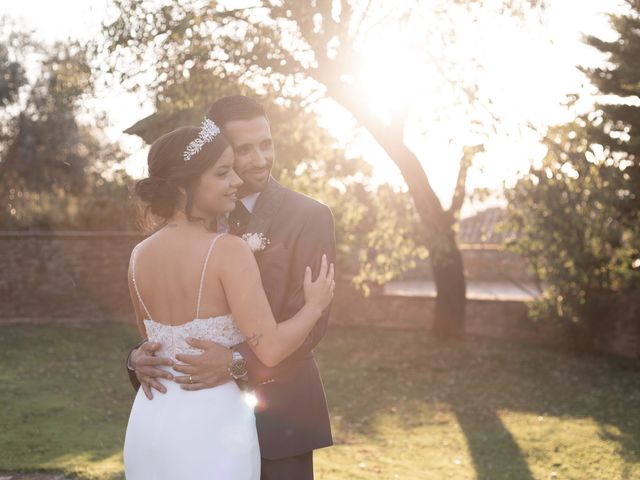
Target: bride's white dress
x,y
191,435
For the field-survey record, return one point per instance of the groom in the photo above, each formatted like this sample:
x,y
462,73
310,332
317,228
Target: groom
x,y
291,415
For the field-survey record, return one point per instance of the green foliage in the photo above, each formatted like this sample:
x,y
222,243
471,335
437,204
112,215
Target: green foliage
x,y
13,77
106,204
103,204
576,217
616,125
51,163
50,150
568,225
14,46
390,245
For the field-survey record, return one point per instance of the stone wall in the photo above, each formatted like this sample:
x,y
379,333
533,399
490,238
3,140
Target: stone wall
x,y
617,326
487,263
488,318
617,330
74,275
82,276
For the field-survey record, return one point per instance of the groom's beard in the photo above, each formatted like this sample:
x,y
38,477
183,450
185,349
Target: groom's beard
x,y
254,182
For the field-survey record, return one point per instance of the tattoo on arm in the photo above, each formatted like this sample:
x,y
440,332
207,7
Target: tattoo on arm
x,y
254,340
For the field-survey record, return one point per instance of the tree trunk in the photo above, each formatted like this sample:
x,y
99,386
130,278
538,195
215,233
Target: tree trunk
x,y
446,259
448,274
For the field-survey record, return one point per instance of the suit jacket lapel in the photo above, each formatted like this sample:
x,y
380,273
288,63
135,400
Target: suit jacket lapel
x,y
266,206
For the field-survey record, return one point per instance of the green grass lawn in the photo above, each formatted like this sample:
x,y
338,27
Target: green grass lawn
x,y
402,406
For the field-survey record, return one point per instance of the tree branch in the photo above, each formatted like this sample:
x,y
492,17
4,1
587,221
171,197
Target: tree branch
x,y
390,138
459,192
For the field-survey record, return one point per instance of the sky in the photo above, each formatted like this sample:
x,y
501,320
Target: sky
x,y
527,72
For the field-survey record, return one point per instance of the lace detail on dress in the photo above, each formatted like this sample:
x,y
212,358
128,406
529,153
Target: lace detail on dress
x,y
173,338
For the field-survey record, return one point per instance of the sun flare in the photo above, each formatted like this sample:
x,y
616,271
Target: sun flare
x,y
392,71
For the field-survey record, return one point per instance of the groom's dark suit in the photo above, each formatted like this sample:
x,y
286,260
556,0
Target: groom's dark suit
x,y
291,416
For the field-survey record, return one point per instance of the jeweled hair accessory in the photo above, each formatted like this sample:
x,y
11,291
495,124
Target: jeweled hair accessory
x,y
208,131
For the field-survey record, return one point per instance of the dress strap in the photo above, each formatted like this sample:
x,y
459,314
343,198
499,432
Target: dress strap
x,y
204,269
135,285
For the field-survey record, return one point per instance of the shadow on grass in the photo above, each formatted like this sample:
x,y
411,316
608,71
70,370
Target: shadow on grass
x,y
509,463
368,373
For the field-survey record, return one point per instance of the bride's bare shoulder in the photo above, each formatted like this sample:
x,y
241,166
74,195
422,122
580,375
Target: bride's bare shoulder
x,y
234,254
233,245
149,245
138,247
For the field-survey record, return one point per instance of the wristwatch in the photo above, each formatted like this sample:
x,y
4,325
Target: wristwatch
x,y
238,368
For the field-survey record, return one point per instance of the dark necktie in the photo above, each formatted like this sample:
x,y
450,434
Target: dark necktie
x,y
239,219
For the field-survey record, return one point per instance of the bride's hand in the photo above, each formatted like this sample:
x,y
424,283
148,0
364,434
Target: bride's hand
x,y
319,293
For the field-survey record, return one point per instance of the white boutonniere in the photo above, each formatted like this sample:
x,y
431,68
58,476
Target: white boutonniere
x,y
256,241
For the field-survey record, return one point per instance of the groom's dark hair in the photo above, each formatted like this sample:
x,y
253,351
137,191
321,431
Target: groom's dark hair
x,y
235,107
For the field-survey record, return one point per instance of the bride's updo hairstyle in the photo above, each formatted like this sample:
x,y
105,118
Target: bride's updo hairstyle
x,y
169,172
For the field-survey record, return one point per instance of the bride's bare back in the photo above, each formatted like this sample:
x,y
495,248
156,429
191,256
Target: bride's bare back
x,y
169,268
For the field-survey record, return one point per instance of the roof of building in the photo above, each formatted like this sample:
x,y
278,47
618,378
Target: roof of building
x,y
481,228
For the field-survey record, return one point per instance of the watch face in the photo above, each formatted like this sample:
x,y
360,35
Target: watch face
x,y
238,368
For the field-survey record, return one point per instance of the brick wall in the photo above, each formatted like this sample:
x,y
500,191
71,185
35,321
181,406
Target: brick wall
x,y
617,329
82,276
486,262
76,275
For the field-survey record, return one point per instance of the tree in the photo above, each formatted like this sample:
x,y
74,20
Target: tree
x,y
51,163
308,51
12,79
615,125
576,216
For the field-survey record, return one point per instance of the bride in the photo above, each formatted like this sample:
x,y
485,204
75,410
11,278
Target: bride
x,y
186,281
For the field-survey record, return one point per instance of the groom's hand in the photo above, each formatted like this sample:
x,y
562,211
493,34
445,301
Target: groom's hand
x,y
207,370
146,366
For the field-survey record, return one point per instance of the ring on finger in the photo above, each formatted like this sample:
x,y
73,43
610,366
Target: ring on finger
x,y
190,379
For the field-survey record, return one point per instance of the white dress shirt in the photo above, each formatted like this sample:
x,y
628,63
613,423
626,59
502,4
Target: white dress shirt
x,y
250,201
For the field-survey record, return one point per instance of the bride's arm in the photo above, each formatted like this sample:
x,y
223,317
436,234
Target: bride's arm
x,y
270,341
